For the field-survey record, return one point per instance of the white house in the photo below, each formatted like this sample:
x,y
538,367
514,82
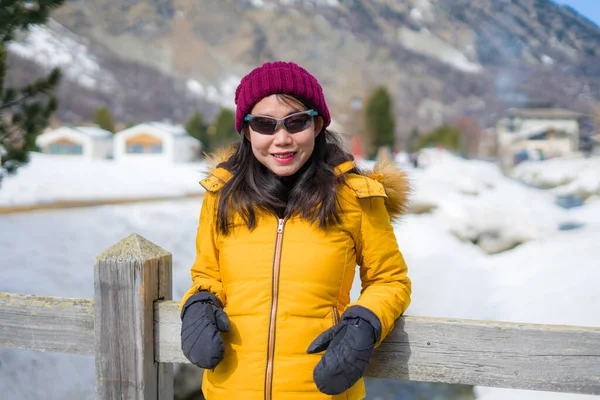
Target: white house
x,y
83,141
156,141
549,132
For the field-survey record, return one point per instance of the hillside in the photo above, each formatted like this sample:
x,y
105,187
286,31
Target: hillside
x,y
440,58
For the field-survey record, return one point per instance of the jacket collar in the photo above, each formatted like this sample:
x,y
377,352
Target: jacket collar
x,y
391,179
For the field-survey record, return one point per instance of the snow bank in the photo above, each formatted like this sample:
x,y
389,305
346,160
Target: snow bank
x,y
50,178
565,176
478,204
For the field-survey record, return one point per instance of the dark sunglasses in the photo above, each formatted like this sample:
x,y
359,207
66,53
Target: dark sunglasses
x,y
293,123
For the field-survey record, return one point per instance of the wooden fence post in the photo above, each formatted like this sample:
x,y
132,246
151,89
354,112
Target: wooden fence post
x,y
128,278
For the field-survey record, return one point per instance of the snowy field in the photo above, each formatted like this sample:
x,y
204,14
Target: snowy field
x,y
49,178
461,255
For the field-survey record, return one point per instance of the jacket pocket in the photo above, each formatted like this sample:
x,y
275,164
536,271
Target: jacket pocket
x,y
335,314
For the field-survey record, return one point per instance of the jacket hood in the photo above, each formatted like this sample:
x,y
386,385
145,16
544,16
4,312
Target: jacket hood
x,y
395,182
396,185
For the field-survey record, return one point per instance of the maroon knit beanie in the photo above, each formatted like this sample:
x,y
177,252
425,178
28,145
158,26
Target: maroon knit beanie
x,y
278,78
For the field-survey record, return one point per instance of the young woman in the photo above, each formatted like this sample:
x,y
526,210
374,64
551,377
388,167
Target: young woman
x,y
286,218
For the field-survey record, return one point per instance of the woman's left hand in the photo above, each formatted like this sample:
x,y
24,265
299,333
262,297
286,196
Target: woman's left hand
x,y
349,346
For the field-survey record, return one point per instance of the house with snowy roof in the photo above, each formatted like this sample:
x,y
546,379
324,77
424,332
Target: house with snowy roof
x,y
89,142
549,132
156,141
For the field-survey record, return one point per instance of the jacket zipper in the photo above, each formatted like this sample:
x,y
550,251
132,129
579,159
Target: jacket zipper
x,y
336,317
274,299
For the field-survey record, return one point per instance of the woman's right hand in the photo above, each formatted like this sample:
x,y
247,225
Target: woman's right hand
x,y
202,320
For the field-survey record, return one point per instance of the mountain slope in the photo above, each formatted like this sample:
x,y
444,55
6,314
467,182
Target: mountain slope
x,y
440,58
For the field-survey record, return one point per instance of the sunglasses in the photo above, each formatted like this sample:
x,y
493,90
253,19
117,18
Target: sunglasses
x,y
293,123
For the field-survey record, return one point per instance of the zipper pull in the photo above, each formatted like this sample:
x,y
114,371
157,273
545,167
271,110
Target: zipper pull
x,y
280,226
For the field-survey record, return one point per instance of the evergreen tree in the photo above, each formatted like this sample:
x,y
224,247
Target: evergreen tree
x,y
25,111
379,119
104,119
224,129
196,127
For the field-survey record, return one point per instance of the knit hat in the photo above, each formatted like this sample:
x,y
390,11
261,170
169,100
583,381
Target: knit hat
x,y
278,78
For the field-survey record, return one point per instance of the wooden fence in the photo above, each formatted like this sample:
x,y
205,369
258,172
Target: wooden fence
x,y
133,329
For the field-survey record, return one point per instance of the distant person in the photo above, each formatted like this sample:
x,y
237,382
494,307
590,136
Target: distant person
x,y
414,158
286,218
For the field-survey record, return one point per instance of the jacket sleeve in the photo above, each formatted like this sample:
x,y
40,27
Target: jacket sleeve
x,y
206,274
386,288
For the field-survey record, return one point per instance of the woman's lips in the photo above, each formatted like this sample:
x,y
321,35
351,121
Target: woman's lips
x,y
284,158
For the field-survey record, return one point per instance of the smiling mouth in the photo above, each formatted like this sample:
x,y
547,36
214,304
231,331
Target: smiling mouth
x,y
284,156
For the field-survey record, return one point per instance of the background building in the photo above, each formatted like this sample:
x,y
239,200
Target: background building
x,y
85,141
544,132
156,141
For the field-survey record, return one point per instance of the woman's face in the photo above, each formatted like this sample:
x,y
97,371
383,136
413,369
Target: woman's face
x,y
282,153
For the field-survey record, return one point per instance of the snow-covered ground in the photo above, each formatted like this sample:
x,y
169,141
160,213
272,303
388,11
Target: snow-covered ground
x,y
50,178
579,176
551,278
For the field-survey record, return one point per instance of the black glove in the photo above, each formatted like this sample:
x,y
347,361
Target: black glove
x,y
349,345
202,321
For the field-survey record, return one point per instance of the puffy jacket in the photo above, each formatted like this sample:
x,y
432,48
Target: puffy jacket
x,y
287,281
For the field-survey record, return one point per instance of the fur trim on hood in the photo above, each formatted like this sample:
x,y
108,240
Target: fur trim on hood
x,y
393,180
396,185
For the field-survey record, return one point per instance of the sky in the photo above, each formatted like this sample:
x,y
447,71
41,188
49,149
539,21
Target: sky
x,y
588,8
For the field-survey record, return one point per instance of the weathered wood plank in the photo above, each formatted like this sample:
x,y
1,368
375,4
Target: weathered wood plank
x,y
126,284
166,380
497,354
55,324
521,356
507,355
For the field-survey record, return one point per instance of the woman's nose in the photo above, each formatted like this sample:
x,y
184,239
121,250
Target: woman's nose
x,y
282,136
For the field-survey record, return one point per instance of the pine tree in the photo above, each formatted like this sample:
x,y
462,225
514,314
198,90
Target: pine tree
x,y
224,129
25,111
104,119
196,127
379,119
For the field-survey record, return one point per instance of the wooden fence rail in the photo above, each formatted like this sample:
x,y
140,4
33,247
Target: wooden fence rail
x,y
132,327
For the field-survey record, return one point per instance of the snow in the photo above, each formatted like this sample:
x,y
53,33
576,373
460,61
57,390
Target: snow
x,y
227,89
48,178
422,11
93,131
172,129
546,59
53,45
223,93
503,394
306,3
195,87
426,43
550,279
476,202
416,14
580,177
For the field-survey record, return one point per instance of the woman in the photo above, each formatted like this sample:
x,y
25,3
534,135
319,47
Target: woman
x,y
285,220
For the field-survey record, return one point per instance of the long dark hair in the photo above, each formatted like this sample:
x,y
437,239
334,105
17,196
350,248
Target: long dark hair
x,y
253,186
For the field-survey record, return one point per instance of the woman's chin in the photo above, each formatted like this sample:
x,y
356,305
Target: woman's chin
x,y
285,167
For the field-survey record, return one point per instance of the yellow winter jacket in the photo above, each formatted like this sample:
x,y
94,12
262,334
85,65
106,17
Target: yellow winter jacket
x,y
287,281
